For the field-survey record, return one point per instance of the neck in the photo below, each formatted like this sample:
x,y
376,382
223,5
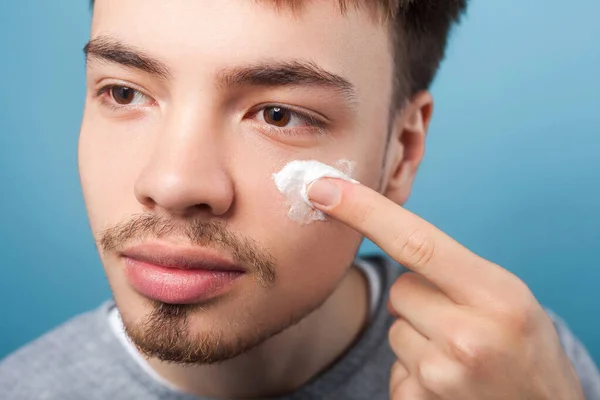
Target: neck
x,y
286,361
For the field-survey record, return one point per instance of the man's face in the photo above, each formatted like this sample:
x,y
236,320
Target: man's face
x,y
177,154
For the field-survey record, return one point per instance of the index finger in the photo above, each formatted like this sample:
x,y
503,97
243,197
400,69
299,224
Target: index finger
x,y
408,239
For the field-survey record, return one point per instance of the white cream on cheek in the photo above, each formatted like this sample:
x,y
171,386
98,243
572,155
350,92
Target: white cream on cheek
x,y
295,178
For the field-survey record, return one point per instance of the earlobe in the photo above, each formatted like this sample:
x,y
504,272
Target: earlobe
x,y
407,146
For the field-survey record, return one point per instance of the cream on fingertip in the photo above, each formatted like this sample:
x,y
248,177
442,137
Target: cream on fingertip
x,y
297,176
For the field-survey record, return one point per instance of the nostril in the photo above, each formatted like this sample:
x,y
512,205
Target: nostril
x,y
147,201
202,207
195,210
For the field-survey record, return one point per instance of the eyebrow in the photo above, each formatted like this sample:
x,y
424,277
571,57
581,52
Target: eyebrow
x,y
114,51
268,73
287,73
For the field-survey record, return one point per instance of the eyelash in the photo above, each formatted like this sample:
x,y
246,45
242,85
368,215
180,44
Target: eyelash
x,y
105,90
313,123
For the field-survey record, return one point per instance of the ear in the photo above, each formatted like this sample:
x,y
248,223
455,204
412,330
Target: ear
x,y
407,146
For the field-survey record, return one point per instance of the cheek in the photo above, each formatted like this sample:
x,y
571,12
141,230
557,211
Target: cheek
x,y
108,169
311,258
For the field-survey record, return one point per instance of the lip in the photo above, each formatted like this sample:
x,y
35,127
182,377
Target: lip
x,y
179,275
180,257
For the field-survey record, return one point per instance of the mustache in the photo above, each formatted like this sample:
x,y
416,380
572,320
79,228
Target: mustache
x,y
214,234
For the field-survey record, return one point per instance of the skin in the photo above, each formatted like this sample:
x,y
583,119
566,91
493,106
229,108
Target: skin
x,y
466,328
194,147
190,148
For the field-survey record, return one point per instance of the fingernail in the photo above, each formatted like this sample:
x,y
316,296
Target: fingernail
x,y
324,192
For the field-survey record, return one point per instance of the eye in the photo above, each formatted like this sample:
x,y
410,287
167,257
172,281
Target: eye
x,y
277,116
287,118
277,119
124,96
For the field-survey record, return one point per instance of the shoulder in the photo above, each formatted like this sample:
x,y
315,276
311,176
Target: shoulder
x,y
387,268
49,364
579,356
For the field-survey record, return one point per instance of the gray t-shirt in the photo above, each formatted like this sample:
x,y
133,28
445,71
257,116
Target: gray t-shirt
x,y
83,359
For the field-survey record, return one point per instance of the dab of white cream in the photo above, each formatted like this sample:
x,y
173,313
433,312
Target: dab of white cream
x,y
295,178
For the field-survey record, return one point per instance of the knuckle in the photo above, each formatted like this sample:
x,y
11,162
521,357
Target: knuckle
x,y
363,212
520,323
415,246
480,347
471,348
440,375
518,315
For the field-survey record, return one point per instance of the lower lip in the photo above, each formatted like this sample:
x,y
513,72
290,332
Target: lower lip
x,y
177,286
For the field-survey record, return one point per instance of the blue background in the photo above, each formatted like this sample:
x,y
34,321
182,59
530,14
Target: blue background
x,y
512,167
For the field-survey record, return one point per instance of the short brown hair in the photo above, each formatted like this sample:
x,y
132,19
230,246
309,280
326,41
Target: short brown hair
x,y
419,30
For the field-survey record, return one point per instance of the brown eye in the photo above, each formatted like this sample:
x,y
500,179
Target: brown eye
x,y
122,95
277,116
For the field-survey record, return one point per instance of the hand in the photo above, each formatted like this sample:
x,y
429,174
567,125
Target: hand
x,y
466,328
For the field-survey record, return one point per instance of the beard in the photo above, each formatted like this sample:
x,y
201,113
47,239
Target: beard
x,y
166,334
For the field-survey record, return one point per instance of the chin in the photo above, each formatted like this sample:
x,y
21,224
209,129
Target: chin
x,y
204,333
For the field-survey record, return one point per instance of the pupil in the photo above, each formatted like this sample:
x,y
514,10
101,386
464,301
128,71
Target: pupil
x,y
123,95
277,116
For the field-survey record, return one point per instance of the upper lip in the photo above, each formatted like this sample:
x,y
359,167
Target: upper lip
x,y
174,256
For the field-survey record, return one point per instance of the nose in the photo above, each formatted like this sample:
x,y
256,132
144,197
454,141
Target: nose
x,y
186,172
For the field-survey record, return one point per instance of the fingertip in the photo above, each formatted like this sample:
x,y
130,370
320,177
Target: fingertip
x,y
325,193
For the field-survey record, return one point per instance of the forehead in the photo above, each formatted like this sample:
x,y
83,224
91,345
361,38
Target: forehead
x,y
195,37
380,9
